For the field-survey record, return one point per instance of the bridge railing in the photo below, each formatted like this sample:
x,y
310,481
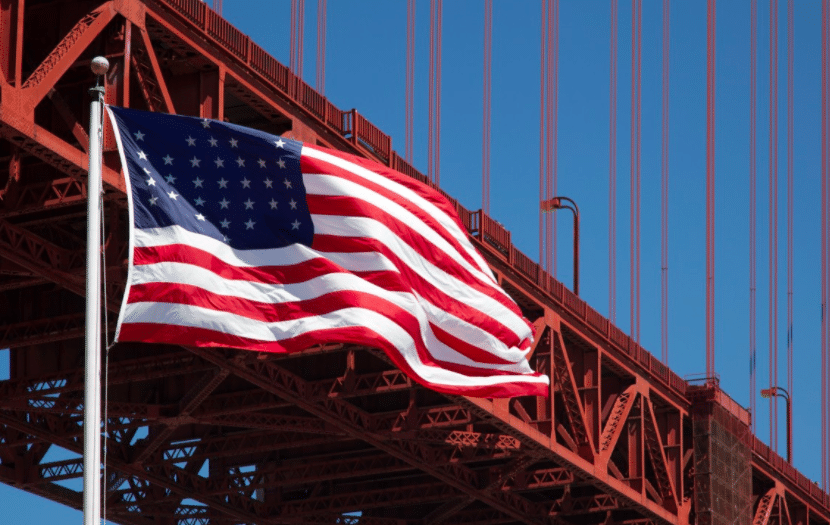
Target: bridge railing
x,y
781,465
361,132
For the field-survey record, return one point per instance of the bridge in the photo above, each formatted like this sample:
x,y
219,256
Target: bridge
x,y
334,434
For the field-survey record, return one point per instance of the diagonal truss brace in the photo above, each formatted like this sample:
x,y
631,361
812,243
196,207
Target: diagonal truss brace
x,y
656,452
65,54
563,371
359,425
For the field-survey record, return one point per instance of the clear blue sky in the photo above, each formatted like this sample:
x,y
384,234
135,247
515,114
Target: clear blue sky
x,y
366,44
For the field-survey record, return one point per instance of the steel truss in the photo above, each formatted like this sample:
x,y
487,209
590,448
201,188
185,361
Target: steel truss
x,y
226,437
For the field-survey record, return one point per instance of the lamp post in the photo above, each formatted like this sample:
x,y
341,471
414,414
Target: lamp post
x,y
777,391
556,203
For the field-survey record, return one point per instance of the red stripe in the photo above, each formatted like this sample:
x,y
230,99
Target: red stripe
x,y
269,274
325,304
356,335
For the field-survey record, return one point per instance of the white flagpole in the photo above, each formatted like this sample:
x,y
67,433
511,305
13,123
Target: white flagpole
x,y
92,376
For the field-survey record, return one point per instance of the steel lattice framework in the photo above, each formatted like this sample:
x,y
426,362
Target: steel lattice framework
x,y
228,437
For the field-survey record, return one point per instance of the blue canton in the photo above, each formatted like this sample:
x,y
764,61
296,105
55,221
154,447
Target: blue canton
x,y
238,185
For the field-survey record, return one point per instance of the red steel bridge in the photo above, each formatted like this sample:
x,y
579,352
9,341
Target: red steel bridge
x,y
334,434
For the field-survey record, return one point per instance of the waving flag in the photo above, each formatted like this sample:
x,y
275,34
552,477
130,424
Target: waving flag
x,y
247,240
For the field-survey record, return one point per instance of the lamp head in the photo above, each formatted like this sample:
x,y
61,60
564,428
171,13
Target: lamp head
x,y
551,204
767,393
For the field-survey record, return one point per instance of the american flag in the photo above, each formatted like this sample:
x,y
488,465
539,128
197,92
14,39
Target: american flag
x,y
248,240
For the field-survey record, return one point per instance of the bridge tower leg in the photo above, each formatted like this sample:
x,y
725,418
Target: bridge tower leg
x,y
722,463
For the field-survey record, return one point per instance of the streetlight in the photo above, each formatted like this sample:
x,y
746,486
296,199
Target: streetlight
x,y
780,392
556,204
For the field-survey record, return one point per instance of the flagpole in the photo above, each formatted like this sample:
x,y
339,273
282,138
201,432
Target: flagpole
x,y
92,375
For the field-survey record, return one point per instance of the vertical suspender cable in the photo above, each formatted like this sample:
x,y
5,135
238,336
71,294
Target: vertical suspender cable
x,y
710,188
410,79
296,48
632,174
485,127
825,363
438,35
612,171
292,51
639,151
434,91
773,218
790,385
636,72
321,46
753,215
547,131
553,102
300,36
431,95
542,120
664,256
549,218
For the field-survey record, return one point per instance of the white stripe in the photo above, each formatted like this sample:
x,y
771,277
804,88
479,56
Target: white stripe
x,y
227,322
447,222
185,274
332,185
285,256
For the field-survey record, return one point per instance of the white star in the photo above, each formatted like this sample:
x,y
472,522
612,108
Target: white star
x,y
205,123
226,239
153,201
190,141
213,142
219,162
139,135
287,183
199,201
245,182
172,195
222,183
194,162
249,225
147,171
225,224
224,203
151,181
197,182
268,183
273,204
281,163
200,216
293,204
170,178
249,204
279,143
142,155
168,159
233,143
295,225
240,162
261,163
